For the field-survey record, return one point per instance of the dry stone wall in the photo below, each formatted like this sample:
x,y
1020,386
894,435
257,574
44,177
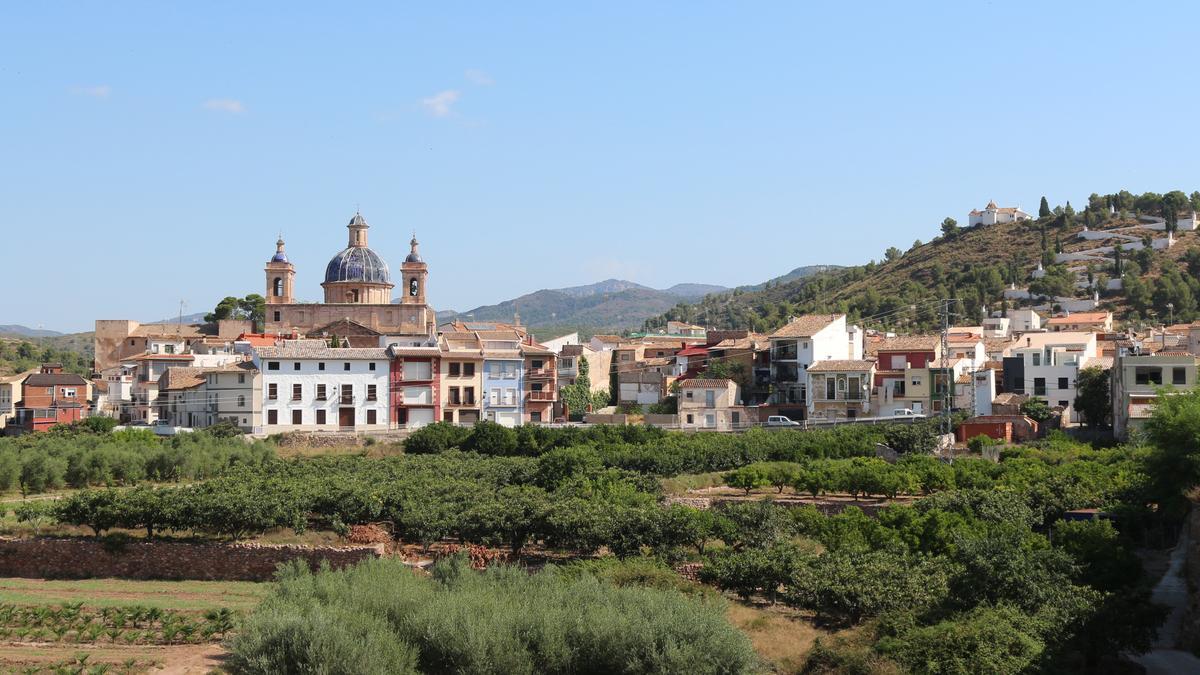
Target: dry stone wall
x,y
52,558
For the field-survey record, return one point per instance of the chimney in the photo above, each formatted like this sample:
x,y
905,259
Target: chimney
x,y
1028,342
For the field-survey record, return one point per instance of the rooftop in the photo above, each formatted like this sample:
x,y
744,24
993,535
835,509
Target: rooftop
x,y
705,384
908,343
807,325
329,353
841,365
1080,317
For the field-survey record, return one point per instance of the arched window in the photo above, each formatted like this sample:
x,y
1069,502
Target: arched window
x,y
277,287
354,295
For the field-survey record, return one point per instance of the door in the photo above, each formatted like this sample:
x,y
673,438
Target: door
x,y
346,417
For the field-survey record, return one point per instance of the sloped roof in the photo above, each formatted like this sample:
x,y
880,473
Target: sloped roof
x,y
908,343
181,378
55,379
330,353
1080,317
806,326
704,384
841,365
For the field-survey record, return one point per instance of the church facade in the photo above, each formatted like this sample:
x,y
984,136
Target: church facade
x,y
358,295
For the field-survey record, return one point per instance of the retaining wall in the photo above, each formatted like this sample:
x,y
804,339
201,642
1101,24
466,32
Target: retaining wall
x,y
87,558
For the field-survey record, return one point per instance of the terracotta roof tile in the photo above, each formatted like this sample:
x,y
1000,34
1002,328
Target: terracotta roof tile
x,y
704,384
840,365
806,326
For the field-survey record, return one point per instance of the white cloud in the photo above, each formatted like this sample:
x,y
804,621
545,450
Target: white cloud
x,y
95,91
228,105
439,104
476,76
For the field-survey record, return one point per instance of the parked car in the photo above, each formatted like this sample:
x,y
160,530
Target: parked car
x,y
907,412
781,421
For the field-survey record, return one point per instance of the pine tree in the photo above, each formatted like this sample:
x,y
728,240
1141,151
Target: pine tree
x,y
1044,209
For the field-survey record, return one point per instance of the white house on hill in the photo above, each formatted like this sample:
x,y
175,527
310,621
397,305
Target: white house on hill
x,y
992,214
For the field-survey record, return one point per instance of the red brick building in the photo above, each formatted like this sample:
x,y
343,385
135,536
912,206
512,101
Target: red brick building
x,y
51,397
415,386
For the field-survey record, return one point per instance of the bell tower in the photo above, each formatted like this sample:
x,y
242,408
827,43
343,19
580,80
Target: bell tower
x,y
415,273
281,277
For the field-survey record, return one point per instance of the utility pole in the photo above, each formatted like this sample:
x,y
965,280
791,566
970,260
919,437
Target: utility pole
x,y
947,384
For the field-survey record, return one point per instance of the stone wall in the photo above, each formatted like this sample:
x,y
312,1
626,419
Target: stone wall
x,y
86,558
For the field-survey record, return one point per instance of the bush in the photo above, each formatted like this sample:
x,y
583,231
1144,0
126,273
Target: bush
x,y
380,616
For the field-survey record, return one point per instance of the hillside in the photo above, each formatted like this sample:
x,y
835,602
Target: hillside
x,y
17,330
612,304
974,266
74,350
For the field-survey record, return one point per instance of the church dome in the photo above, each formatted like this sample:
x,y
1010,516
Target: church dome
x,y
358,264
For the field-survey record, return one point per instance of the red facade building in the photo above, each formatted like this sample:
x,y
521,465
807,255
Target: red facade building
x,y
51,397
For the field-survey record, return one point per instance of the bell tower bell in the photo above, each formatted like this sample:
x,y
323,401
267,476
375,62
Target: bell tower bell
x,y
415,273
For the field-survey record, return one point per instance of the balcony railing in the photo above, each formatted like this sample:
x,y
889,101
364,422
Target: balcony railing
x,y
346,400
541,395
540,372
462,404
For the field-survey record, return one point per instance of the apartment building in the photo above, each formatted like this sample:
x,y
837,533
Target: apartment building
x,y
902,377
461,381
540,388
1044,365
711,405
1138,380
415,385
307,387
840,388
802,342
50,397
10,396
1082,322
503,377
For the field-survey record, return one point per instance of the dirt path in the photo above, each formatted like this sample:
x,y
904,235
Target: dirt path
x,y
1171,592
175,659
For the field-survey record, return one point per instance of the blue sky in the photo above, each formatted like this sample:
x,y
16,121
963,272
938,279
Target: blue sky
x,y
151,152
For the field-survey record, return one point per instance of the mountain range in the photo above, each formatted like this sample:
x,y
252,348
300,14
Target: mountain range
x,y
26,331
611,304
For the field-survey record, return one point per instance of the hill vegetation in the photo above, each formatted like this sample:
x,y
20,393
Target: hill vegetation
x,y
973,266
74,351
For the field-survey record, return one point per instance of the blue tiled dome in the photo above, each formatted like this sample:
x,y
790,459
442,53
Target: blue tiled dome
x,y
358,263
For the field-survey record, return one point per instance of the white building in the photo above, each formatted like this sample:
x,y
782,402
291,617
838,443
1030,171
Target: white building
x,y
1044,365
992,214
996,327
313,388
1024,320
802,342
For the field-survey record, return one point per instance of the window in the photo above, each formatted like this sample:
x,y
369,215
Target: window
x,y
347,393
454,369
241,378
277,287
69,392
1147,375
454,396
321,392
154,348
468,370
272,391
568,363
320,365
297,392
132,342
346,365
1039,386
295,365
494,397
371,366
690,419
276,315
297,417
710,398
535,416
272,417
1064,383
469,395
537,364
1037,358
688,394
1062,404
241,401
830,388
272,365
1179,376
916,381
320,417
170,349
370,392
736,418
371,417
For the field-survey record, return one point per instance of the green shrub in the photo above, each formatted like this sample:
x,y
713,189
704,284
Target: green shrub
x,y
380,616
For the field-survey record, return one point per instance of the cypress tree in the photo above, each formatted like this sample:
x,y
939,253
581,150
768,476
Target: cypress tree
x,y
1044,209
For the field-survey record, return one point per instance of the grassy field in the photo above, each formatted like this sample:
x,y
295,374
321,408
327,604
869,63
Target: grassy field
x,y
192,596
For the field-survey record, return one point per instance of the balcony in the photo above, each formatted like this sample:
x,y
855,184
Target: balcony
x,y
462,404
346,400
540,373
541,396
